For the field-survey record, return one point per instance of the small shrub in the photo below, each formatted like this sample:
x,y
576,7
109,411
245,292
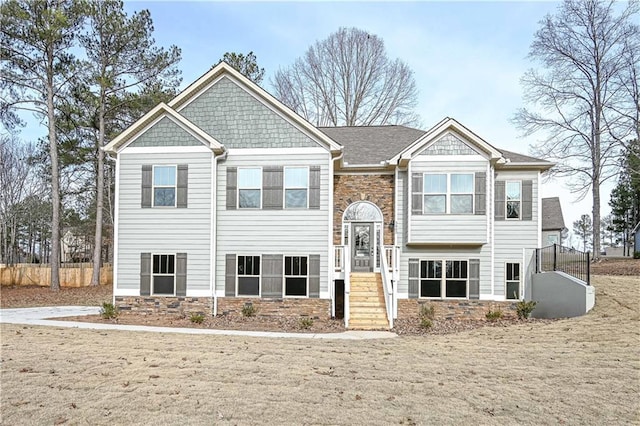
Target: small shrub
x,y
636,254
426,323
494,315
196,318
305,322
524,308
248,310
427,311
108,311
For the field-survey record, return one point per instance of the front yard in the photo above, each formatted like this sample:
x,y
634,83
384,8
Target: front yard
x,y
575,371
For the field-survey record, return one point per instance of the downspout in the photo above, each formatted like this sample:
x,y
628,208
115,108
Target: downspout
x,y
214,226
332,269
115,225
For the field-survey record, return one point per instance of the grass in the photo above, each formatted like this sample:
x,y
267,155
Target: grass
x,y
534,373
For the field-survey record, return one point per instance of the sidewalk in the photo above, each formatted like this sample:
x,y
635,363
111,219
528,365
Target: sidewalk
x,y
38,316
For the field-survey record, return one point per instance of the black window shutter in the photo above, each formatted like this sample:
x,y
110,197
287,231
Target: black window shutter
x,y
181,274
416,193
527,200
147,185
314,275
183,184
481,191
314,187
232,186
145,274
272,181
474,279
414,278
271,275
230,275
500,200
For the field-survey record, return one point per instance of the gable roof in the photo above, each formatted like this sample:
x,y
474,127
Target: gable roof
x,y
552,218
515,159
224,69
161,110
372,145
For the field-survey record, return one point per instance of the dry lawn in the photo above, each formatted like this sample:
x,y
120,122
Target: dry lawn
x,y
576,371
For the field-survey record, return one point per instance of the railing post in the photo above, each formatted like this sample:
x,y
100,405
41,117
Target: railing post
x,y
554,255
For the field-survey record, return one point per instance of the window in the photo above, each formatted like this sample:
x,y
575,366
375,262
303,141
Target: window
x,y
453,284
164,274
513,280
249,188
164,186
435,193
295,276
296,184
514,200
457,278
248,275
448,193
430,278
461,193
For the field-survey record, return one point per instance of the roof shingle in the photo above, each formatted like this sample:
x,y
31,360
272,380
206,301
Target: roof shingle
x,y
552,218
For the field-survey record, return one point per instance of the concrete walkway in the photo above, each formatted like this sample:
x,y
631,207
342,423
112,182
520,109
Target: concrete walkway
x,y
38,316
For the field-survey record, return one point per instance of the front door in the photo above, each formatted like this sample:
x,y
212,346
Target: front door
x,y
362,247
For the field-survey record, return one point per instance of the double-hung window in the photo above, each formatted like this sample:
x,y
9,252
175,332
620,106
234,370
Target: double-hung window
x,y
164,186
452,283
448,193
513,281
461,193
249,188
248,276
295,276
164,274
514,199
435,193
296,187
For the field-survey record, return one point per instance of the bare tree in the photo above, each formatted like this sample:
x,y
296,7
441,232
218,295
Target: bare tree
x,y
582,100
37,69
348,79
583,228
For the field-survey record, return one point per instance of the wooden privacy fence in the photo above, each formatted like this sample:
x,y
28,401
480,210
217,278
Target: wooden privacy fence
x,y
71,275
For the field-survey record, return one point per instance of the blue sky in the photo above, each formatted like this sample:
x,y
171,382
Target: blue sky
x,y
467,57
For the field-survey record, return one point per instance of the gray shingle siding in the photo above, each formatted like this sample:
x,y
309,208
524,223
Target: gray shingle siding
x,y
165,133
238,120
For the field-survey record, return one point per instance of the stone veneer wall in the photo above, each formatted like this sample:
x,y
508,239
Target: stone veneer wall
x,y
455,309
314,308
165,305
378,189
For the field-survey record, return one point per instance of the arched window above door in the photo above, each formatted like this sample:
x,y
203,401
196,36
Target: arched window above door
x,y
362,211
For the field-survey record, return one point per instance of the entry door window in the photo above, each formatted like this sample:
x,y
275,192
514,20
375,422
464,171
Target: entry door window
x,y
362,240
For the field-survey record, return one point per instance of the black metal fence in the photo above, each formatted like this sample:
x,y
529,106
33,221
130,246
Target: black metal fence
x,y
565,259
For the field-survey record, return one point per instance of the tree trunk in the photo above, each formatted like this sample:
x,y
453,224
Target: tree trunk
x,y
55,179
97,247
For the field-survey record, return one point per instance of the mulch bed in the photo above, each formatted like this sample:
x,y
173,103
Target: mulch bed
x,y
32,296
616,266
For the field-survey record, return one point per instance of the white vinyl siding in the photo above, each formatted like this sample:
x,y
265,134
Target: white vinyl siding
x,y
296,232
162,230
448,228
512,236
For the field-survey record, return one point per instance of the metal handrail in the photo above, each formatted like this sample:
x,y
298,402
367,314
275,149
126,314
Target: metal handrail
x,y
564,259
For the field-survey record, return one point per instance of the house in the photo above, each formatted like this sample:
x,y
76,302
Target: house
x,y
636,240
225,197
552,221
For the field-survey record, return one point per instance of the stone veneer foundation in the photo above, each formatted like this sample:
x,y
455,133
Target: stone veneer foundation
x,y
455,309
348,189
165,305
313,308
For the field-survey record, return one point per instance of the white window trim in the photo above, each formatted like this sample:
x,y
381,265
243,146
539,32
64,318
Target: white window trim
x,y
154,186
506,281
448,193
506,200
249,276
443,279
153,275
285,276
284,187
239,188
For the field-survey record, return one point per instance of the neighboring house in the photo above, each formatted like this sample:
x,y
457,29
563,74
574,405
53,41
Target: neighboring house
x,y
552,221
224,196
636,239
75,247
